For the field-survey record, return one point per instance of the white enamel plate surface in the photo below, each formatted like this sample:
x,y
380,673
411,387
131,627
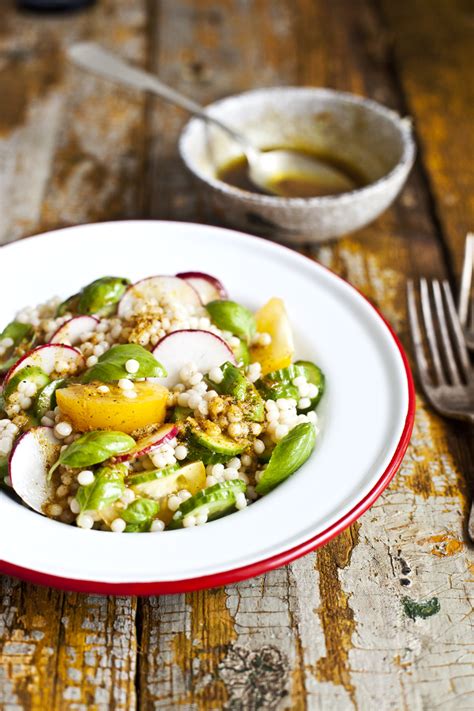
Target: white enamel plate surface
x,y
365,417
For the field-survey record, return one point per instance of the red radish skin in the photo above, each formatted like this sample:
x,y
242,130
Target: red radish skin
x,y
30,460
147,444
208,287
73,330
204,348
44,357
154,286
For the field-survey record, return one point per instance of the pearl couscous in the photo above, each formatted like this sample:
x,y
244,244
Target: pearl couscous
x,y
151,406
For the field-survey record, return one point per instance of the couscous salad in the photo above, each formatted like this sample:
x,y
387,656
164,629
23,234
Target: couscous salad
x,y
151,406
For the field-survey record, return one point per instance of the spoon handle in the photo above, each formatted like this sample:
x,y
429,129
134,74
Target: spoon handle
x,y
92,57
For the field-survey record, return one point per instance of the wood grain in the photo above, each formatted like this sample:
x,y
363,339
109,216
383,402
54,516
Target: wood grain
x,y
382,616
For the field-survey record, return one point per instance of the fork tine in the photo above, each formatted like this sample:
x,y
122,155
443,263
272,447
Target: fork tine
x,y
417,335
466,280
458,339
430,331
444,333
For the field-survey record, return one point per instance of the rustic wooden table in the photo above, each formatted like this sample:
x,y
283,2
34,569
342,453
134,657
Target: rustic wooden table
x,y
381,618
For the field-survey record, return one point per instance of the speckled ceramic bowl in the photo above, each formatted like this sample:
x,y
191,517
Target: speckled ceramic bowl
x,y
351,128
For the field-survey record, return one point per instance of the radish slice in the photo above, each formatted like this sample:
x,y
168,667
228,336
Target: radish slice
x,y
208,287
32,457
157,288
146,444
72,331
203,348
47,357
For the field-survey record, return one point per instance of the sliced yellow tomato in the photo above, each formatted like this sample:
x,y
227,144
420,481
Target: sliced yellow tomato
x,y
90,409
191,477
273,319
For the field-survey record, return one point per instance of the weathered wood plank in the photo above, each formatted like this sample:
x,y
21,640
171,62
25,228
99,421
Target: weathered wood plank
x,y
337,623
433,45
70,151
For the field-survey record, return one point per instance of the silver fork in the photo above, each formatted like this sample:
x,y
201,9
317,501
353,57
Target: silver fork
x,y
448,382
466,299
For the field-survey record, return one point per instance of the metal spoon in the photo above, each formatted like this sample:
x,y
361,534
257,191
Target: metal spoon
x,y
265,168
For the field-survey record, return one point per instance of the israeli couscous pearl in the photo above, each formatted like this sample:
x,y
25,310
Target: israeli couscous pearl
x,y
189,521
216,375
304,403
132,366
63,429
131,394
125,384
173,502
85,477
181,452
240,501
118,525
157,525
103,389
258,446
85,521
211,480
55,510
127,497
74,506
91,360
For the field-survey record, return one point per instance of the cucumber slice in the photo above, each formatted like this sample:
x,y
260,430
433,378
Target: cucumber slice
x,y
152,475
168,481
31,373
214,441
278,384
46,399
217,500
314,375
179,414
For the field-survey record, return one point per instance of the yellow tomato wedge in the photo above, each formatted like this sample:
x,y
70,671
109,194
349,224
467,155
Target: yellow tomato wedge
x,y
273,319
89,409
191,477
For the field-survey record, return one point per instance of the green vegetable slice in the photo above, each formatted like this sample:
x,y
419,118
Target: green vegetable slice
x,y
179,414
139,515
111,365
290,454
68,306
148,476
242,354
231,316
237,386
93,448
20,333
313,375
107,487
217,443
101,296
4,471
46,398
216,501
29,373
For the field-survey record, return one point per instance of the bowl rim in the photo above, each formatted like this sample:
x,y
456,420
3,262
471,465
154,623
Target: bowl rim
x,y
403,166
263,565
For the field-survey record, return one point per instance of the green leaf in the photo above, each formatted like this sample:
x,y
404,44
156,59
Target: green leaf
x,y
242,354
101,296
139,514
93,448
289,455
231,316
107,487
17,331
68,306
111,365
4,470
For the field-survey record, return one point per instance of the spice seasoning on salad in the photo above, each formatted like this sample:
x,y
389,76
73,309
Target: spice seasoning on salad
x,y
152,406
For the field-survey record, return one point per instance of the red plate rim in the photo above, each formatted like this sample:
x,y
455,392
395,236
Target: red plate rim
x,y
262,566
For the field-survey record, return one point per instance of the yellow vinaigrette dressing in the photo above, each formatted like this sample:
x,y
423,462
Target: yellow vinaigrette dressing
x,y
333,177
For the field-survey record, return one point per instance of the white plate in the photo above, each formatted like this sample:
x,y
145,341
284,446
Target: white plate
x,y
366,415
